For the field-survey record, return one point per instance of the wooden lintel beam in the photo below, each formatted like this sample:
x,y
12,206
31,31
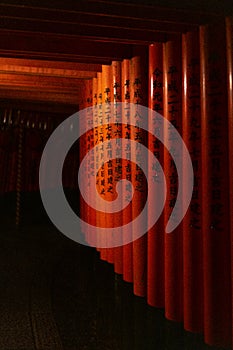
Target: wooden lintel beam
x,y
198,12
60,47
193,11
84,67
80,20
86,31
56,109
27,70
40,82
43,96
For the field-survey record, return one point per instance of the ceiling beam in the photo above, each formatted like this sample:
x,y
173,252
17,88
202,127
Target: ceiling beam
x,y
48,47
55,109
39,96
78,20
29,71
88,31
179,11
63,66
39,81
199,12
19,44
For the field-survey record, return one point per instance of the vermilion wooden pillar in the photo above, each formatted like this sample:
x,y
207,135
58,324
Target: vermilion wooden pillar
x,y
215,186
89,212
95,137
138,95
82,147
3,151
126,171
117,163
229,36
98,141
155,254
107,168
85,146
173,240
192,222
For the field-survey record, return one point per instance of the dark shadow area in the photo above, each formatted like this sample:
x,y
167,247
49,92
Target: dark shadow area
x,y
56,294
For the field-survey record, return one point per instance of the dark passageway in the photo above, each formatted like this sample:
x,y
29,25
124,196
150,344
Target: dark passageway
x,y
56,294
111,60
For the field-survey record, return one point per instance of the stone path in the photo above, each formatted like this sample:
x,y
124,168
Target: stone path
x,y
57,295
26,264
